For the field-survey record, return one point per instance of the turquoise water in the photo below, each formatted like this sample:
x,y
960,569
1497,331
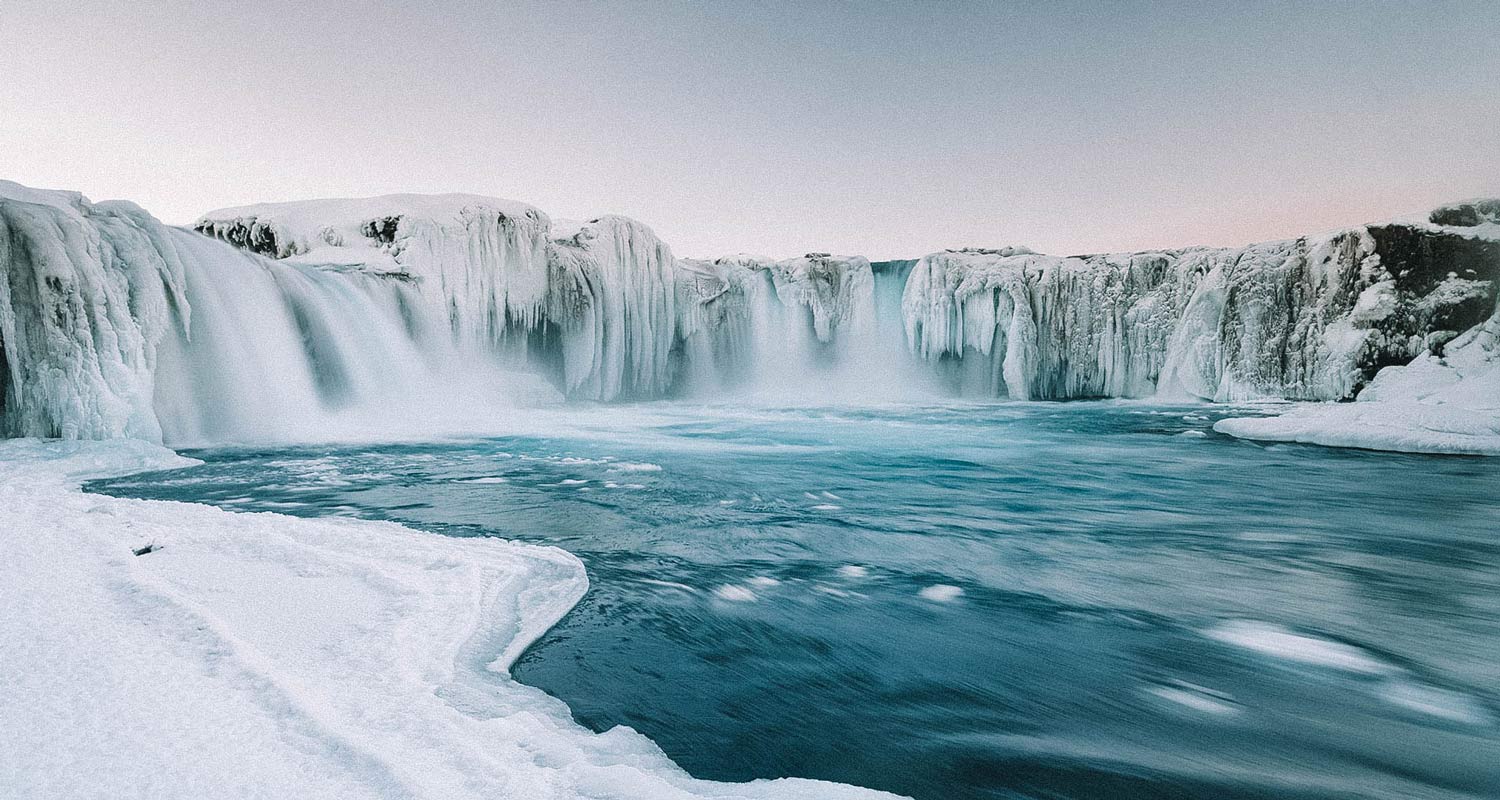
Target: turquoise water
x,y
1083,600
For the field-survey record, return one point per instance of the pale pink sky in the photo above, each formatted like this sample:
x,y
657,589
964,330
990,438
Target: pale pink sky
x,y
887,129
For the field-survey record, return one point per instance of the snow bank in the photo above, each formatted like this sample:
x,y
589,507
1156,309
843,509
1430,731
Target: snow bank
x,y
1436,404
263,655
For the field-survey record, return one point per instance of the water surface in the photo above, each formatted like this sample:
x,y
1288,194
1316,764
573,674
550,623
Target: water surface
x,y
1083,600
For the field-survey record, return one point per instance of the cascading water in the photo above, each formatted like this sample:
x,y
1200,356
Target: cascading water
x,y
290,351
115,325
422,314
820,328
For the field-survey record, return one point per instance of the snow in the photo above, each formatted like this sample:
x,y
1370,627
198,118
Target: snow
x,y
1436,404
264,655
66,201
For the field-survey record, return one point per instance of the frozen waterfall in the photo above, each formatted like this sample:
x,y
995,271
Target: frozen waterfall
x,y
1304,319
412,313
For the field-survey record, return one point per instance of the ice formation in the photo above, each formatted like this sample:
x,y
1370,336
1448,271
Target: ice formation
x,y
86,293
602,305
313,317
1305,319
613,296
597,298
203,667
775,325
1448,403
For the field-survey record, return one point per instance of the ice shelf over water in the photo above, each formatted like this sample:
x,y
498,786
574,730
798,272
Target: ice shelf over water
x,y
176,650
288,319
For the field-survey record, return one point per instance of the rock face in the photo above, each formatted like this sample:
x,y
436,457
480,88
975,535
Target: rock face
x,y
1442,284
324,314
1477,212
1448,403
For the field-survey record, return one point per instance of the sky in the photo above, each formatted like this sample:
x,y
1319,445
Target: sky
x,y
883,129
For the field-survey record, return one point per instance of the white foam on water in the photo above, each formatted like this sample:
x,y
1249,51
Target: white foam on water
x,y
681,587
631,466
1434,702
940,593
853,571
734,594
1194,697
1284,644
490,479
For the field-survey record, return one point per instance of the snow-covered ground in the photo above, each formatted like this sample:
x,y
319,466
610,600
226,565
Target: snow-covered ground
x,y
1447,404
258,655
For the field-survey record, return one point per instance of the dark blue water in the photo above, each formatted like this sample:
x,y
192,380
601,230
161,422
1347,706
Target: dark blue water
x,y
976,601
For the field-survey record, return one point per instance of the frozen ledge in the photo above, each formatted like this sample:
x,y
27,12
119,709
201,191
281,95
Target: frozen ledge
x,y
265,655
1435,404
1409,427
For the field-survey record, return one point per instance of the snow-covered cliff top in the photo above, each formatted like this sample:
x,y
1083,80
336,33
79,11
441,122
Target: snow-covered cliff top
x,y
67,201
353,231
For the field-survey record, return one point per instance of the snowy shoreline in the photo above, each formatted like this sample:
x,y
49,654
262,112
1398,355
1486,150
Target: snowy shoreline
x,y
1448,404
266,655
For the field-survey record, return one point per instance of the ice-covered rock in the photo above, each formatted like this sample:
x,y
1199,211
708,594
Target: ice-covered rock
x,y
612,294
595,301
1311,318
837,291
1439,403
112,324
86,294
1472,213
326,317
479,261
794,328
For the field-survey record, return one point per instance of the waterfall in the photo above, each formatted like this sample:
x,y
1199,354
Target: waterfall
x,y
416,315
